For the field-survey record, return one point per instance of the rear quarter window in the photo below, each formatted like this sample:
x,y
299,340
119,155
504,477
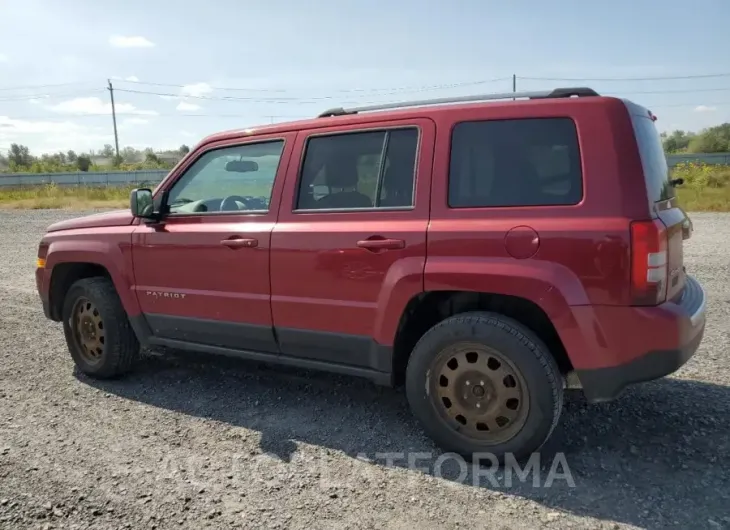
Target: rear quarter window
x,y
653,160
522,162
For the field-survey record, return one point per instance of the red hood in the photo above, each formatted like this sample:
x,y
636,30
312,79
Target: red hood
x,y
114,218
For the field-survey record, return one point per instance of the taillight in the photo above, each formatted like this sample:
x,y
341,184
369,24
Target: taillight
x,y
648,262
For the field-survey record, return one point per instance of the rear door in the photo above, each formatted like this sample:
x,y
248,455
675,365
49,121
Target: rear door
x,y
352,239
662,198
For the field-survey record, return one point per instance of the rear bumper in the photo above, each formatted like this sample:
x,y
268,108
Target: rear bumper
x,y
606,384
643,344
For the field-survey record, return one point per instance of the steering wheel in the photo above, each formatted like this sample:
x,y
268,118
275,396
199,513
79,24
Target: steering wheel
x,y
231,200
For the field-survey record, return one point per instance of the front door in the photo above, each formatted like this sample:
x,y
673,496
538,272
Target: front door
x,y
202,275
352,245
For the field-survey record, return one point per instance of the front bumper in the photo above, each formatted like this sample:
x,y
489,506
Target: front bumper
x,y
41,282
607,383
46,308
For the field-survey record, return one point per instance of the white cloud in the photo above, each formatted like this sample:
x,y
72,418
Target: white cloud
x,y
52,136
184,105
38,100
94,105
136,121
119,41
705,108
30,126
197,89
132,78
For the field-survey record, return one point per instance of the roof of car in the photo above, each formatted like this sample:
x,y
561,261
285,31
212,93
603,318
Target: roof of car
x,y
426,108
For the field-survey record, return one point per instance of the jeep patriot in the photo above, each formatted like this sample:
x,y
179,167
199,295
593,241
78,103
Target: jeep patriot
x,y
485,252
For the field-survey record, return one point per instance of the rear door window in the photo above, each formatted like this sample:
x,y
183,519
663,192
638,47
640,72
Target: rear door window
x,y
371,169
653,161
522,162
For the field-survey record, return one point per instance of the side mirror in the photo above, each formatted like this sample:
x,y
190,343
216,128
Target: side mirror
x,y
141,203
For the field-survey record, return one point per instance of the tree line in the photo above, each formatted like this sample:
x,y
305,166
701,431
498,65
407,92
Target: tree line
x,y
713,140
20,160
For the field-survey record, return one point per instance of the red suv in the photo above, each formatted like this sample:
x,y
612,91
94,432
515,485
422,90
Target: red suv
x,y
487,254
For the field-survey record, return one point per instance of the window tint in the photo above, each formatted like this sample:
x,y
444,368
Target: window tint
x,y
530,162
656,171
359,170
231,179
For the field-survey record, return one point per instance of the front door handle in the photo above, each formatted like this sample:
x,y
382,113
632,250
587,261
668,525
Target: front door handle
x,y
240,242
381,244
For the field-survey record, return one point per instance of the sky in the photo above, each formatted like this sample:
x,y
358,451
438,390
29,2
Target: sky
x,y
182,69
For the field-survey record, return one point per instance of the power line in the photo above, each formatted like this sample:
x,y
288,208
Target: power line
x,y
284,99
31,87
268,116
406,88
344,90
300,100
213,98
168,115
607,79
30,97
684,91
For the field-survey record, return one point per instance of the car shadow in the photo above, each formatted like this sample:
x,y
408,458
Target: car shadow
x,y
653,458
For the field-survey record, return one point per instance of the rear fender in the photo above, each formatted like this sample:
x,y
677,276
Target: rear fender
x,y
403,281
551,286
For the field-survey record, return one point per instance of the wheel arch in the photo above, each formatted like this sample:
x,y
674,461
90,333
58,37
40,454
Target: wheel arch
x,y
64,275
425,310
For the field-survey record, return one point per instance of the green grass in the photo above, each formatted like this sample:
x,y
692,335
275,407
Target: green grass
x,y
704,199
706,188
50,196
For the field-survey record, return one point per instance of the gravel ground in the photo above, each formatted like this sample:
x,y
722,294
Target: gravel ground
x,y
186,444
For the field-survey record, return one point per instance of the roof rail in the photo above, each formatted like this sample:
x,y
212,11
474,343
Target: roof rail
x,y
543,94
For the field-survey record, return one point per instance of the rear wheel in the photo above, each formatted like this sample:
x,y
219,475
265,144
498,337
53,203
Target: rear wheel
x,y
98,334
483,383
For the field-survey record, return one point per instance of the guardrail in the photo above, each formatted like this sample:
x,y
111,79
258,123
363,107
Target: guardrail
x,y
154,176
713,159
81,178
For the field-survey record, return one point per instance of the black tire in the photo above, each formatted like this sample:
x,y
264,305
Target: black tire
x,y
523,351
120,347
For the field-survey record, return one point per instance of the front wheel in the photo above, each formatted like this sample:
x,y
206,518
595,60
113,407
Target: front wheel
x,y
98,334
484,383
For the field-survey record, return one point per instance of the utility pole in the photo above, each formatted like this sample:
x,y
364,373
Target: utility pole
x,y
114,117
514,84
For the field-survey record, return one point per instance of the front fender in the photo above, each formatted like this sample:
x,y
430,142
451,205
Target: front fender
x,y
114,254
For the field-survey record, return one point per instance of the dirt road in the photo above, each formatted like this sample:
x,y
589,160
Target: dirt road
x,y
196,444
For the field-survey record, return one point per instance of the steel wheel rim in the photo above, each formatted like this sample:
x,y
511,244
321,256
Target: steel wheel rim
x,y
88,330
479,393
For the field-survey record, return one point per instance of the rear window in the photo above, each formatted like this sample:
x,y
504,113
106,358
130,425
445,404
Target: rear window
x,y
653,161
522,162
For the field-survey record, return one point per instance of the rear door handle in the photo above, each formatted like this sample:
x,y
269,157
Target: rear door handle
x,y
240,242
381,244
